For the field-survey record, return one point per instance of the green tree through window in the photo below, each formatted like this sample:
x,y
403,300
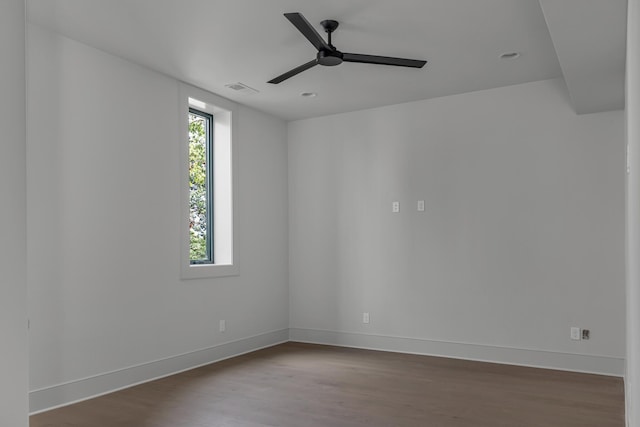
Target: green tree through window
x,y
200,212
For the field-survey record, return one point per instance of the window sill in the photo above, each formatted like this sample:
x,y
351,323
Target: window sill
x,y
203,271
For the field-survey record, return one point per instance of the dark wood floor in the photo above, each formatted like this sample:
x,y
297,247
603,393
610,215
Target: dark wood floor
x,y
304,385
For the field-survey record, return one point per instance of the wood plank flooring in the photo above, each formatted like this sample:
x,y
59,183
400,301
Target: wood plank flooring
x,y
306,385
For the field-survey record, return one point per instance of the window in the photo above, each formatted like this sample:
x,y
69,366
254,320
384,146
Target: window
x,y
200,187
209,173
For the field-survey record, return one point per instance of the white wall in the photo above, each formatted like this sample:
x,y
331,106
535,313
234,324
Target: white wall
x,y
522,237
13,293
106,303
633,213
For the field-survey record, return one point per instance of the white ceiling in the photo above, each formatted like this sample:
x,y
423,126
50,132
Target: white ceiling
x,y
210,43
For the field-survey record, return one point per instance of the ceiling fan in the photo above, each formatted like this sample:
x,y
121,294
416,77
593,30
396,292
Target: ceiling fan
x,y
328,54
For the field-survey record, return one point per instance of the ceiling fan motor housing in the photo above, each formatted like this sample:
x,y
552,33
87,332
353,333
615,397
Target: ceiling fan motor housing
x,y
329,57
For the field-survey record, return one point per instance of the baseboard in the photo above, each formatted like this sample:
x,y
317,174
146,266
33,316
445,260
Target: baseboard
x,y
603,365
52,397
86,388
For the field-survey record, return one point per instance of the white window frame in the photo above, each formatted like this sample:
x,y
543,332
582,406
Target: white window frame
x,y
225,177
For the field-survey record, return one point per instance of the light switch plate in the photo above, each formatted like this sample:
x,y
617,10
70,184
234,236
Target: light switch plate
x,y
575,334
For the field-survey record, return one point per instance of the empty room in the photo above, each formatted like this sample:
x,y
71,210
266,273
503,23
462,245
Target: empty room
x,y
320,213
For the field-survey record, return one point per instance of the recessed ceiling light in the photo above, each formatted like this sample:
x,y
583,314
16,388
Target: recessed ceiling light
x,y
510,55
308,94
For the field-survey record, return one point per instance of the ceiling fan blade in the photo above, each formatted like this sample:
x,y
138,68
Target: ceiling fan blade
x,y
307,30
293,72
384,60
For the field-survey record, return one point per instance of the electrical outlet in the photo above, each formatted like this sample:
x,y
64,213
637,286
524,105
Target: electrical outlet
x,y
395,207
575,333
223,325
585,334
365,317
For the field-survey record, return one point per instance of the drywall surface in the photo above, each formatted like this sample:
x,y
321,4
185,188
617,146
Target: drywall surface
x,y
13,291
103,225
522,236
633,214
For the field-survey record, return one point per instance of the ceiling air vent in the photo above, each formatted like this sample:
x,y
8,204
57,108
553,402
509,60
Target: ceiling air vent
x,y
241,87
